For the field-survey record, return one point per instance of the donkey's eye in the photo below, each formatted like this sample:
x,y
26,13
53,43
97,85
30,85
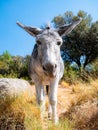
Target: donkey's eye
x,y
58,43
39,43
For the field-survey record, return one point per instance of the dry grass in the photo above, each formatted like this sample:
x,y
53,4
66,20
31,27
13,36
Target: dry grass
x,y
82,108
64,84
83,93
77,108
84,117
21,113
77,94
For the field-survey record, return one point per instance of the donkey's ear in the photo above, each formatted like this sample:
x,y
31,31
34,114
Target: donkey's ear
x,y
31,30
66,29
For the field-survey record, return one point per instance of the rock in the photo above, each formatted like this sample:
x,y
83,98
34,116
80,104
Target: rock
x,y
13,87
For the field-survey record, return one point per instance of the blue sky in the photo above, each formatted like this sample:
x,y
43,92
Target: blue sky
x,y
35,13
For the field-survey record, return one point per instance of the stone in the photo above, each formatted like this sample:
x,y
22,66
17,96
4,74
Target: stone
x,y
10,87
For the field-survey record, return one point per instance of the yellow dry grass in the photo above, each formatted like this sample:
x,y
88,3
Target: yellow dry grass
x,y
80,105
22,112
64,84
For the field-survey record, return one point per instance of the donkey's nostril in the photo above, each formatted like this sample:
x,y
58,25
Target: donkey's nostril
x,y
49,67
55,66
44,68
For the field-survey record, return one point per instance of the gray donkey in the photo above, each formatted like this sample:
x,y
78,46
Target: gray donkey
x,y
46,65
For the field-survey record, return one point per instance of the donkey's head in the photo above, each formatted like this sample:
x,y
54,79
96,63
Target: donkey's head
x,y
48,42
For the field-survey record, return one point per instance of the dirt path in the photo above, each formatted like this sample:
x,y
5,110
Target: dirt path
x,y
63,99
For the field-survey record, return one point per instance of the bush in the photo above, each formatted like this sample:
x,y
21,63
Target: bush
x,y
70,74
14,66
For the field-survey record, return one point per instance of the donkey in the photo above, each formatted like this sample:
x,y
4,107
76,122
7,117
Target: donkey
x,y
46,65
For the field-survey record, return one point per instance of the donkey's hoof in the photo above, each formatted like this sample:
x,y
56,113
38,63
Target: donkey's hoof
x,y
56,120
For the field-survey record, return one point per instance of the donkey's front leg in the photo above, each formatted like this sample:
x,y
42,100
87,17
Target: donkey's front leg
x,y
40,96
53,99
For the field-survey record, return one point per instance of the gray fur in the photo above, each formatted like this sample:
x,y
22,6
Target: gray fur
x,y
38,56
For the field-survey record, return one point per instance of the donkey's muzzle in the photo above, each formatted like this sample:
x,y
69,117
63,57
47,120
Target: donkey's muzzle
x,y
50,69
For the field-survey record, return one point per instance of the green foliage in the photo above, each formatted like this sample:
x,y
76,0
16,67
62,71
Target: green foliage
x,y
72,74
83,41
58,20
6,56
14,66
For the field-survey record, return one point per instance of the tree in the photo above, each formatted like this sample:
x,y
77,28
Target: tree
x,y
14,66
61,20
58,21
6,56
5,59
82,42
25,66
91,41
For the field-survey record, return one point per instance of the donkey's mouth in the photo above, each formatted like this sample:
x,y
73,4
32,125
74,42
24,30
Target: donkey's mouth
x,y
50,74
